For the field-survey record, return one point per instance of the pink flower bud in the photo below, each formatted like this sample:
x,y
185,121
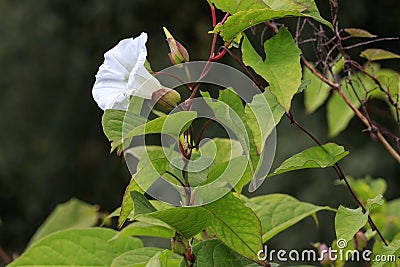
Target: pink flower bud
x,y
360,240
178,52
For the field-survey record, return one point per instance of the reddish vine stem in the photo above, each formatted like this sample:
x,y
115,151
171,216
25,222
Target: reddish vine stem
x,y
5,256
361,116
336,167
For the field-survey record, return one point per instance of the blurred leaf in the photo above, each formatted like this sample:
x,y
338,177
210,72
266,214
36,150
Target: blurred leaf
x,y
77,247
316,93
355,32
72,214
281,67
375,202
215,253
277,212
373,54
236,225
233,6
384,252
367,188
315,157
339,113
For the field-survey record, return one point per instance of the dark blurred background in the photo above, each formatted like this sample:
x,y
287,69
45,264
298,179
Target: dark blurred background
x,y
52,145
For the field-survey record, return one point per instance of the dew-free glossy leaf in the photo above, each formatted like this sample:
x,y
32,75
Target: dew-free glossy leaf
x,y
315,157
348,222
188,221
77,247
71,214
374,54
141,204
135,258
236,225
117,122
243,20
146,229
278,212
172,124
233,6
127,203
215,253
281,67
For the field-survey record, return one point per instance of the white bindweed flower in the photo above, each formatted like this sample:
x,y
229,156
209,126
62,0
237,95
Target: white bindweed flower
x,y
123,74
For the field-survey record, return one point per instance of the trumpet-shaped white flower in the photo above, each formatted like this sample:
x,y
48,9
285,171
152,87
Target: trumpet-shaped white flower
x,y
123,74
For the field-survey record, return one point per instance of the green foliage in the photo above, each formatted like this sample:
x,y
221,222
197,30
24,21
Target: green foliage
x,y
278,212
215,253
236,225
72,214
316,157
373,54
281,67
231,229
77,247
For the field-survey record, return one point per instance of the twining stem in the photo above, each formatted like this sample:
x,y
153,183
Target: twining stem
x,y
361,116
5,256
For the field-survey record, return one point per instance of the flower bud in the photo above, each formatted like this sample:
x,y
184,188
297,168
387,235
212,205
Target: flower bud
x,y
179,244
178,53
324,254
360,240
166,98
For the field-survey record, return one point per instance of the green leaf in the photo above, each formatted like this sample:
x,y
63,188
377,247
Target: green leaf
x,y
261,121
188,221
285,5
141,204
215,253
367,187
135,258
339,113
355,32
278,212
315,157
116,121
236,226
242,20
77,247
281,67
172,124
375,202
316,93
72,214
142,257
221,149
349,221
146,229
161,259
233,6
127,202
384,252
373,54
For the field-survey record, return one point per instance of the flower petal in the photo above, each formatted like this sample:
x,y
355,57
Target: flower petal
x,y
141,83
